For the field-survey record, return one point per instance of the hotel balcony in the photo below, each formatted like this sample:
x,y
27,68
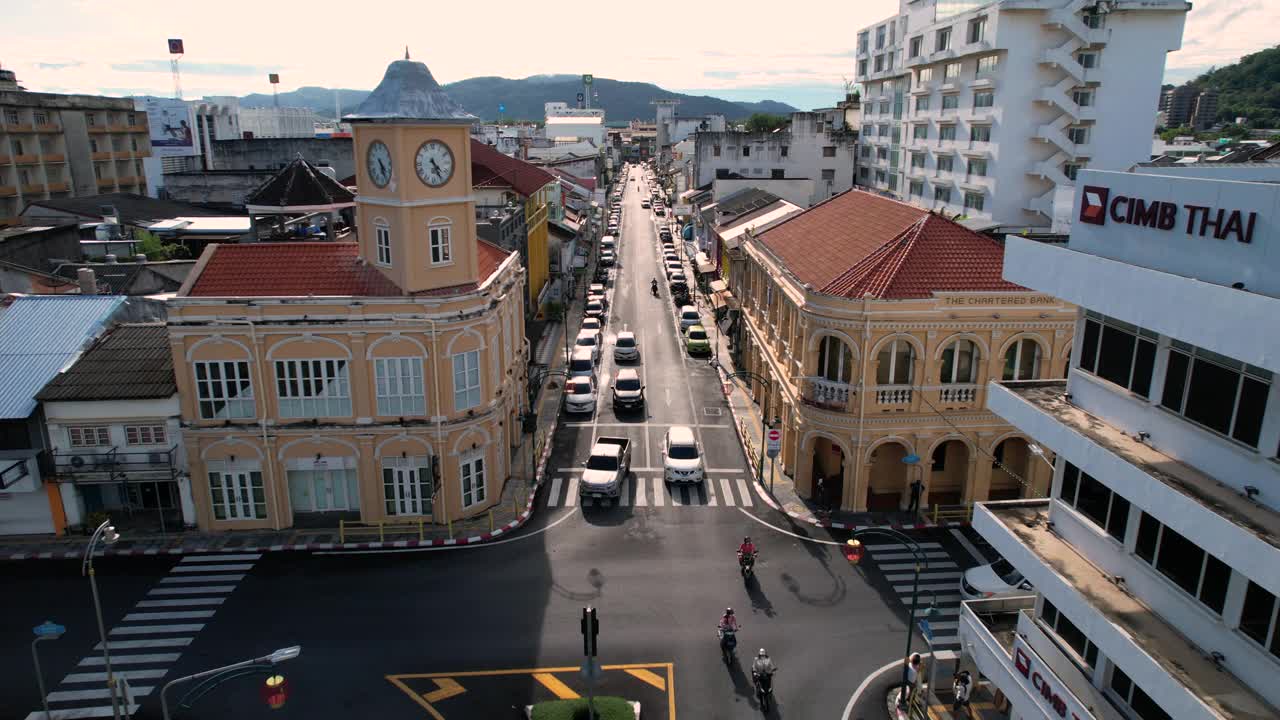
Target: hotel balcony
x,y
58,187
893,397
26,159
1183,678
18,128
97,129
48,128
104,183
33,189
1002,637
8,190
52,158
958,395
103,155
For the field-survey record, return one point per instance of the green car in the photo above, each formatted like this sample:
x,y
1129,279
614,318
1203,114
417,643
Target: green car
x,y
696,340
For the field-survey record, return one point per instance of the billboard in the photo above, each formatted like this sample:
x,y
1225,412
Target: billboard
x,y
172,128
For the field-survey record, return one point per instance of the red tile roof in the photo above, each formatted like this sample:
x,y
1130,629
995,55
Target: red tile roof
x,y
859,243
490,168
488,258
289,269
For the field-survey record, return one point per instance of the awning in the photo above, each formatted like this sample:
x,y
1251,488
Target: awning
x,y
703,263
719,286
724,297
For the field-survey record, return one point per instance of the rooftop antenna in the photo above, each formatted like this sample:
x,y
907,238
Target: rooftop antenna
x,y
406,52
175,54
274,79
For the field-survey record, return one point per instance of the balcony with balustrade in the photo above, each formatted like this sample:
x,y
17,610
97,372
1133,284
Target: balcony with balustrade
x,y
894,397
828,395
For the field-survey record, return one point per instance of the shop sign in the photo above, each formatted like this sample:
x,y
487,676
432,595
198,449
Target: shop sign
x,y
1098,206
1050,693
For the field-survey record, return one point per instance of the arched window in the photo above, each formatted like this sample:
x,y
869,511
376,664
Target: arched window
x,y
440,241
382,241
1022,360
835,360
960,362
895,361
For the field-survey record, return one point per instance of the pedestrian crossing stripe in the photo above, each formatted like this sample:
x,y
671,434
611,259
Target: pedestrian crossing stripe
x,y
939,575
640,491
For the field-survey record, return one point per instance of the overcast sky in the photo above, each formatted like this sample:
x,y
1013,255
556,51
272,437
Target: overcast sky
x,y
743,51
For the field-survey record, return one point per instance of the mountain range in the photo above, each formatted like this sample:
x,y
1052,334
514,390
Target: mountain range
x,y
523,99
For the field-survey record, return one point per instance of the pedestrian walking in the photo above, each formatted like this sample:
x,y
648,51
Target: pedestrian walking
x,y
917,488
913,679
820,492
961,686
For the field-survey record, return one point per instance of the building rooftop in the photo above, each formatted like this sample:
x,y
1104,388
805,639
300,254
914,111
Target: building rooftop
x,y
39,336
299,188
132,362
132,278
408,91
1028,522
858,243
490,168
132,209
1049,396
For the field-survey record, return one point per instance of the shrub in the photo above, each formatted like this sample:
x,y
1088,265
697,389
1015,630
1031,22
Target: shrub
x,y
607,708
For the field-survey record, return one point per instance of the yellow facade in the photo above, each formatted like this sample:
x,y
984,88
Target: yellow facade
x,y
535,210
861,384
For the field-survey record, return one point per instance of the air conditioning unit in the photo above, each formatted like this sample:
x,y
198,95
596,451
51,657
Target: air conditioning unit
x,y
156,458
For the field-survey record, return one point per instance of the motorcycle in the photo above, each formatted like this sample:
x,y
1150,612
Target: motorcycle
x,y
764,689
728,641
747,564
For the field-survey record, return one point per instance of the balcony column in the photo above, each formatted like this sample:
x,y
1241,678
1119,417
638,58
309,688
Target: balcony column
x,y
369,481
971,479
979,486
857,480
361,388
919,380
186,501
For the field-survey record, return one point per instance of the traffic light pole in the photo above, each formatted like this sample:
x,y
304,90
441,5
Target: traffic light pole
x,y
590,634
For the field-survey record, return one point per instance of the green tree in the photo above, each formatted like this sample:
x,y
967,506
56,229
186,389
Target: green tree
x,y
766,122
1169,134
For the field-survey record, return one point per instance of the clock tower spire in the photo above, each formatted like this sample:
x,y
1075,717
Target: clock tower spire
x,y
415,210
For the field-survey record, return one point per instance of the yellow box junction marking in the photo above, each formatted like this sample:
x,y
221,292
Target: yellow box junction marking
x,y
557,688
650,677
445,688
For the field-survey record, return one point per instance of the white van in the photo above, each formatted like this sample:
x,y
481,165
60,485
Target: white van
x,y
681,455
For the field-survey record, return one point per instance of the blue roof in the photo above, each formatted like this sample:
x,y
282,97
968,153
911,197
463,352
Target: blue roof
x,y
39,336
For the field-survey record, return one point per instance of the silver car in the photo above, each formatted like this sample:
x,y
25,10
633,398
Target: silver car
x,y
626,347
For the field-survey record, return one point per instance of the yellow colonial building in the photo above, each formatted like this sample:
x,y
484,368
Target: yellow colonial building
x,y
364,381
878,325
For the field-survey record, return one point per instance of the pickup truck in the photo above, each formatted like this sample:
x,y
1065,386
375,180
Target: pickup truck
x,y
609,463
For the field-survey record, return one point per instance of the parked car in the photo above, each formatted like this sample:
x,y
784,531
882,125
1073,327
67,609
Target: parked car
x,y
628,391
581,364
644,204
696,341
591,323
999,579
608,243
681,455
680,287
670,256
660,212
595,309
677,277
679,297
673,267
580,395
589,339
689,316
626,347
664,234
607,258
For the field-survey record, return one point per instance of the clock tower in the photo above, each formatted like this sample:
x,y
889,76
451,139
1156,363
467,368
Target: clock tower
x,y
415,210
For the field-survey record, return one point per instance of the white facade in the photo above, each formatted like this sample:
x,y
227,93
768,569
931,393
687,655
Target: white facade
x,y
990,109
817,147
274,122
570,124
1157,557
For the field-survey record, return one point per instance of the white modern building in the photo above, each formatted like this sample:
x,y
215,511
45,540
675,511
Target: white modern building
x,y
571,124
1156,560
810,160
989,109
278,122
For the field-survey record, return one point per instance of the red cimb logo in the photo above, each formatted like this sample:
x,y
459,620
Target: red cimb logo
x,y
1093,205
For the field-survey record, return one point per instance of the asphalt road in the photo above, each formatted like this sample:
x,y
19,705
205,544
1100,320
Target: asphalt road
x,y
474,632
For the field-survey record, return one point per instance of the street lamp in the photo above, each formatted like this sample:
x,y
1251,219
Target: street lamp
x,y
48,630
1039,452
275,658
854,552
106,534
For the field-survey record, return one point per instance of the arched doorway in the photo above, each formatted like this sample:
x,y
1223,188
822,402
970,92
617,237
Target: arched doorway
x,y
828,463
1013,454
888,477
948,473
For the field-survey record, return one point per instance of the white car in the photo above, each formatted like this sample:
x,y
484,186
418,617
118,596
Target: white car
x,y
594,309
677,277
589,339
628,391
999,579
582,364
674,267
689,317
681,456
626,347
580,395
595,289
607,257
591,323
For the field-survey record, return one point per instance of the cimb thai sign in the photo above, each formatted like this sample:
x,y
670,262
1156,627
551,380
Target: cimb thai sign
x,y
1099,205
1050,693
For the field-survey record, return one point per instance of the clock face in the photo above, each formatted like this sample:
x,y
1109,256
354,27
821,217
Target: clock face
x,y
379,160
434,163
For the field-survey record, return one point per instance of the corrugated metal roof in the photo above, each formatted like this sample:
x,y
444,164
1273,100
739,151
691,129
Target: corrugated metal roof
x,y
131,362
41,335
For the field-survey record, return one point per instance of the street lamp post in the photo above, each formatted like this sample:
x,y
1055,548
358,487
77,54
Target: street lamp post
x,y
275,658
48,630
106,534
854,553
764,414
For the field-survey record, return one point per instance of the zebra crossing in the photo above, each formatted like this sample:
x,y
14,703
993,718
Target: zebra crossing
x,y
654,492
150,638
939,583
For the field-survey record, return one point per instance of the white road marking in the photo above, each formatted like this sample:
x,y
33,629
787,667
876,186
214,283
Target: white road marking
x,y
709,486
659,492
153,659
181,602
202,578
553,495
726,490
180,568
906,588
85,677
146,644
944,625
922,611
193,590
571,496
935,566
179,615
910,556
642,499
798,536
678,498
723,471
220,558
77,695
744,490
101,711
923,576
156,629
624,492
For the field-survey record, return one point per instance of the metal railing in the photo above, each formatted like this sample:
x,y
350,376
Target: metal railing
x,y
347,528
827,394
112,462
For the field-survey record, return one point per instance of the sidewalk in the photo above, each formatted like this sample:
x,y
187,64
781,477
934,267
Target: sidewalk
x,y
777,488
